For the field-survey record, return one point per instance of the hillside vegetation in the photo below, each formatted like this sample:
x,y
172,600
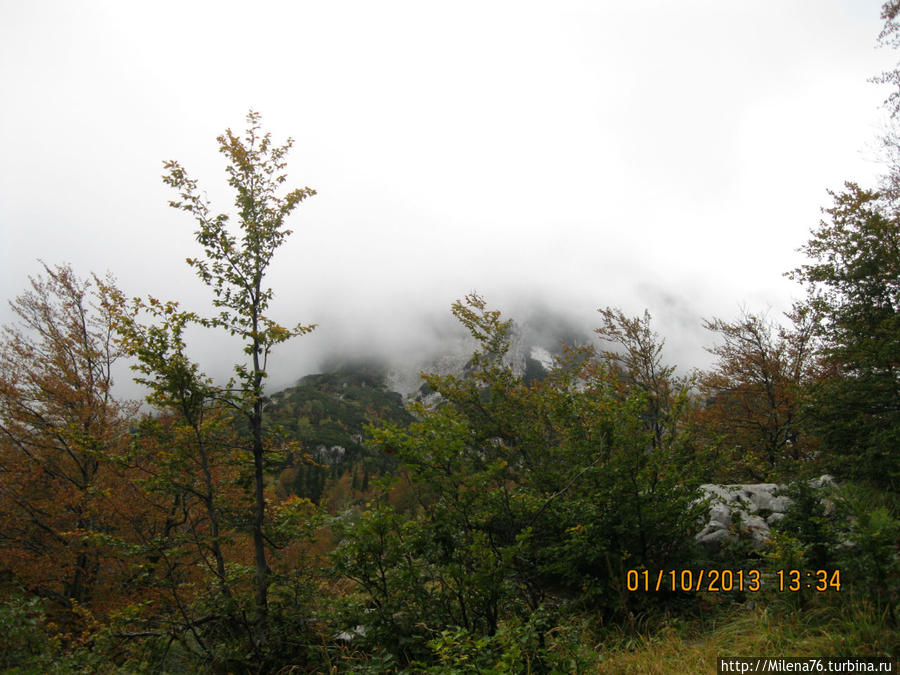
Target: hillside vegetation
x,y
507,520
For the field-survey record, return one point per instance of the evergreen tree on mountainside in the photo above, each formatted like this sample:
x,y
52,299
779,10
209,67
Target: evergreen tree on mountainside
x,y
328,414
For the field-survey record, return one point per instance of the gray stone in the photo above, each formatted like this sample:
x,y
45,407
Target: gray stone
x,y
759,496
714,539
757,529
720,513
823,481
756,506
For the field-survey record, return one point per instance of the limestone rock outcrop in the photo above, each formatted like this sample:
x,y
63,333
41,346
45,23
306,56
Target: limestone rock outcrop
x,y
745,510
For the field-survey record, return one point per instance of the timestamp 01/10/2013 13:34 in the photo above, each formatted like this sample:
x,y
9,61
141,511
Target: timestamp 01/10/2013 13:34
x,y
728,580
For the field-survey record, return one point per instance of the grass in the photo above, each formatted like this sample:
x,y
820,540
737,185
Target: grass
x,y
838,627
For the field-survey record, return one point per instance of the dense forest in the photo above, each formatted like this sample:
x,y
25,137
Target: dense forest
x,y
513,523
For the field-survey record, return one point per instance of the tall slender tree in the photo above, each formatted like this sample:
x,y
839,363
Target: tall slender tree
x,y
234,266
636,361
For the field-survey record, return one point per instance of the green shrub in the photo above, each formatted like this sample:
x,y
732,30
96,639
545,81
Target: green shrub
x,y
525,497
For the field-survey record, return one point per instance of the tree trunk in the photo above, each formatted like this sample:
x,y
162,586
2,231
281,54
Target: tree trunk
x,y
259,511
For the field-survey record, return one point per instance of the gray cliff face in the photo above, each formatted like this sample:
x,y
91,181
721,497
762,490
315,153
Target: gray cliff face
x,y
405,377
745,511
531,355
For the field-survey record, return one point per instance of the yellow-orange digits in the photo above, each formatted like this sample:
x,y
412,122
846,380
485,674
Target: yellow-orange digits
x,y
702,580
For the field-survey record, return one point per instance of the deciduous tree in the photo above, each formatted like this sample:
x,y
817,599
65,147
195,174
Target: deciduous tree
x,y
853,279
525,495
61,430
234,266
637,366
752,408
185,459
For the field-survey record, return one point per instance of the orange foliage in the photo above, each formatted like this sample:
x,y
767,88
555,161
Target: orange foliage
x,y
61,432
752,409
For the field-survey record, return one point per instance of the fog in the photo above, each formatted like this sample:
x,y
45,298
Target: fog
x,y
555,157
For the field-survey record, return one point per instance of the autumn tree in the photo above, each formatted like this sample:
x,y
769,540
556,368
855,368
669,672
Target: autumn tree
x,y
752,408
61,431
234,266
184,457
635,361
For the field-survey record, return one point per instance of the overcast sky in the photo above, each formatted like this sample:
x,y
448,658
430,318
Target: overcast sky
x,y
668,155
